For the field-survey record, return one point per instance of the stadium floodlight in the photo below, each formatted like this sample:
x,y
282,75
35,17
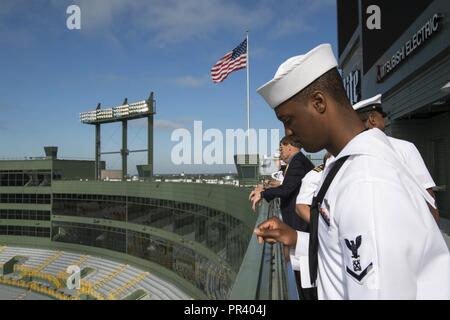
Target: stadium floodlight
x,y
122,113
126,111
88,116
138,107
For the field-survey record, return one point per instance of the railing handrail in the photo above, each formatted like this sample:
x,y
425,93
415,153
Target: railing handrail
x,y
264,273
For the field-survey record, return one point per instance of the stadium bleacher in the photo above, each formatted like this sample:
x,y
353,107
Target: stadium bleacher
x,y
106,280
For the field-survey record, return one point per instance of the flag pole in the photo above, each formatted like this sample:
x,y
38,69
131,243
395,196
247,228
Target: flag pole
x,y
248,95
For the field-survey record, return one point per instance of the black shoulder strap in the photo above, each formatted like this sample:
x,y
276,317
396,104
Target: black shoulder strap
x,y
314,218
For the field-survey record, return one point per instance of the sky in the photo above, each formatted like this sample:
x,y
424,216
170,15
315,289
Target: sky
x,y
49,74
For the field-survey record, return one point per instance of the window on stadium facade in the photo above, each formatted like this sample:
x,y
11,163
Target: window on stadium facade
x,y
213,279
24,214
25,198
90,235
217,230
26,231
25,178
90,206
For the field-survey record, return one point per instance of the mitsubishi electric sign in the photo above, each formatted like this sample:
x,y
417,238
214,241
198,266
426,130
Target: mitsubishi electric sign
x,y
418,39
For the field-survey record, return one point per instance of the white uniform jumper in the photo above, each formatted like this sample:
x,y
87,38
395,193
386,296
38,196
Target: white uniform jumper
x,y
310,183
377,239
413,160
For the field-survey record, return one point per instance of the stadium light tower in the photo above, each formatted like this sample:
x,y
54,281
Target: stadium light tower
x,y
123,113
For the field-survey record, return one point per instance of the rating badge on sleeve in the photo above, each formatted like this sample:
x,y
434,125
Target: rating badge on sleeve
x,y
356,272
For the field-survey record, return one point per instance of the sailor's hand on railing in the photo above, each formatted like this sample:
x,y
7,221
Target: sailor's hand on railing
x,y
255,198
273,184
260,187
274,230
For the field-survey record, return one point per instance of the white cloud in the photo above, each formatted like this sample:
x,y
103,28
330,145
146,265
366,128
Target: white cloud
x,y
178,20
101,14
167,125
190,81
168,22
289,26
158,124
297,16
257,52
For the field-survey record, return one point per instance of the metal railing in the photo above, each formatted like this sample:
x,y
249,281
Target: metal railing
x,y
265,274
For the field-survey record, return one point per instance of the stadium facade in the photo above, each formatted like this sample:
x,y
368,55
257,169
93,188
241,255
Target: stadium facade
x,y
401,49
194,235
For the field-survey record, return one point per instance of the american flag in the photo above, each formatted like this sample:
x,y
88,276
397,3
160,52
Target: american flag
x,y
232,61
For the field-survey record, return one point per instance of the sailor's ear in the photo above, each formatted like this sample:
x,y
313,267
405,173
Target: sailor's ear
x,y
372,120
319,101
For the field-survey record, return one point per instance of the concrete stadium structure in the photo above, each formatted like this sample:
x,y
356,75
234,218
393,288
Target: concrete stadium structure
x,y
193,236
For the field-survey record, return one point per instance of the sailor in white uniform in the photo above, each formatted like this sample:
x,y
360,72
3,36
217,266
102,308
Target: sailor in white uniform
x,y
371,113
310,184
373,237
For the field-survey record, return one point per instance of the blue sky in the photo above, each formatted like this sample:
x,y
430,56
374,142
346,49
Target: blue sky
x,y
128,48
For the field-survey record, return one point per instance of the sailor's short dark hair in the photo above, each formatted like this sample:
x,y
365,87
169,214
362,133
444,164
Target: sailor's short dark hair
x,y
331,83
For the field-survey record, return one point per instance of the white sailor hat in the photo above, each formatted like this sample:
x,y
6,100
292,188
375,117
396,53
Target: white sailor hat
x,y
371,104
297,73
